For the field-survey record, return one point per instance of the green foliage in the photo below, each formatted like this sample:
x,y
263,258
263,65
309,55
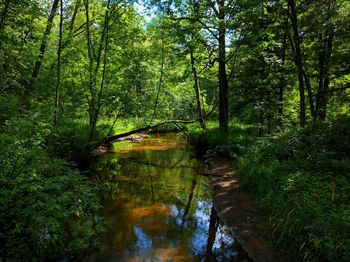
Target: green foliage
x,y
71,142
229,145
301,179
300,176
47,207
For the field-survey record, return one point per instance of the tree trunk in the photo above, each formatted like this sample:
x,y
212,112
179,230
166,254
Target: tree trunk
x,y
298,62
71,25
269,115
306,79
309,93
323,86
261,115
91,62
110,139
223,83
102,47
58,81
42,49
197,90
159,83
282,83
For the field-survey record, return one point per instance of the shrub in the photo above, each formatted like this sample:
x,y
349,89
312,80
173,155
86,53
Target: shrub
x,y
47,207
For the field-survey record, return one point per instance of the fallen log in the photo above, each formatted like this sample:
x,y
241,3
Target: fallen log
x,y
146,128
109,139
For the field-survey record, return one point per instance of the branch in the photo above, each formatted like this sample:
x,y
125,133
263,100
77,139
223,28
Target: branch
x,y
237,47
150,127
197,19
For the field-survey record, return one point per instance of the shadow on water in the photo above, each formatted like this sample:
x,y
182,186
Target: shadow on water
x,y
157,205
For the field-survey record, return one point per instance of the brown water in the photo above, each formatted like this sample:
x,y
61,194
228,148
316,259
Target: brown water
x,y
157,205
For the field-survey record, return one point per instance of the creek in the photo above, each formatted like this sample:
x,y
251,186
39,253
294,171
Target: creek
x,y
157,205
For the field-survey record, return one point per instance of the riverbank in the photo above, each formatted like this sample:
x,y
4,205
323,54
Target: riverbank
x,y
236,208
299,180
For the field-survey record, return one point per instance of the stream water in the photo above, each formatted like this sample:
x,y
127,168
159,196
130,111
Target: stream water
x,y
157,205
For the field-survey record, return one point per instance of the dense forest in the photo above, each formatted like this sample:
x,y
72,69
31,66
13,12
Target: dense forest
x,y
264,83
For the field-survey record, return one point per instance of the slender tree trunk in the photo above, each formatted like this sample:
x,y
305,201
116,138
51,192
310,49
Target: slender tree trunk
x,y
269,115
323,86
261,114
58,81
160,83
306,79
223,83
71,25
74,15
105,35
309,93
282,83
298,62
92,99
42,49
197,90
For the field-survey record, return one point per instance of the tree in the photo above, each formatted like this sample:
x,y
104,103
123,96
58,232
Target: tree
x,y
298,61
58,82
43,44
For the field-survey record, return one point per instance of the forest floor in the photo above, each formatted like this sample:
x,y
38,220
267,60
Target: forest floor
x,y
236,208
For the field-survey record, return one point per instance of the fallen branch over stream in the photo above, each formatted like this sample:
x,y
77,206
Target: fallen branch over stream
x,y
142,129
109,139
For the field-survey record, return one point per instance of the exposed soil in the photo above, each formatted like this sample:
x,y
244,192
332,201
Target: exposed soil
x,y
237,210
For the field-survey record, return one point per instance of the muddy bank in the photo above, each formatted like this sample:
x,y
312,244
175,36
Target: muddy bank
x,y
237,210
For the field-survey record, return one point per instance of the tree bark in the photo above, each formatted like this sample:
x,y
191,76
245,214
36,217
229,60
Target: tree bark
x,y
223,83
91,62
102,47
307,81
298,62
269,115
71,25
58,81
261,113
197,89
282,83
323,86
309,93
38,63
160,83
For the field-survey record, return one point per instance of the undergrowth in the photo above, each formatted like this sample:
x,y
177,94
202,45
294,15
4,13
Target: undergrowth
x,y
301,182
47,205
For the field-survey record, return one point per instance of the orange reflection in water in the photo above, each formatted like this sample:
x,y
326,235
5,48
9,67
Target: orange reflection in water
x,y
165,254
155,209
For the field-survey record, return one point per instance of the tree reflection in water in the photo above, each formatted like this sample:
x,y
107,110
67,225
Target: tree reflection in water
x,y
157,206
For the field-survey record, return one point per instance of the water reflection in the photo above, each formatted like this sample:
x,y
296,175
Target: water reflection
x,y
157,207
